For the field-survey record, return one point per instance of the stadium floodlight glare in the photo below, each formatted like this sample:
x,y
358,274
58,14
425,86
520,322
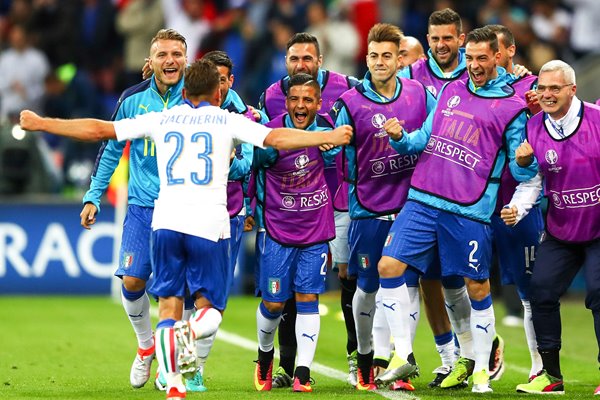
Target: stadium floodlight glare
x,y
18,133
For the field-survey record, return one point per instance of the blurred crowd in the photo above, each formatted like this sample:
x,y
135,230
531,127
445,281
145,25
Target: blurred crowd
x,y
73,58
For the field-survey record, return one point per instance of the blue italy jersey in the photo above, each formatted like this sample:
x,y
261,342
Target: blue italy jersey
x,y
240,167
143,173
264,158
341,116
416,141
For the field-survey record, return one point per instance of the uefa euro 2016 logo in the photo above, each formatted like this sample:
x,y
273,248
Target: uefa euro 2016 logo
x,y
551,157
301,161
378,120
453,101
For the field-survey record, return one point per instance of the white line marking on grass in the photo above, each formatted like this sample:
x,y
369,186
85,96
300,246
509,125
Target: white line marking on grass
x,y
520,370
247,344
321,369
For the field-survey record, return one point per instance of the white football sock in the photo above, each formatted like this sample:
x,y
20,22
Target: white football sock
x,y
205,322
446,352
203,347
307,335
536,360
483,329
458,307
363,309
138,312
266,329
396,303
381,332
187,313
414,311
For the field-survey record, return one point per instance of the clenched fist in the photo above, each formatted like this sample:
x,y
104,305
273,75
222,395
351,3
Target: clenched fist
x,y
341,135
509,215
524,154
29,121
393,128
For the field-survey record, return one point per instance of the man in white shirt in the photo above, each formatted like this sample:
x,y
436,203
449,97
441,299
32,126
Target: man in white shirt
x,y
23,70
190,224
564,140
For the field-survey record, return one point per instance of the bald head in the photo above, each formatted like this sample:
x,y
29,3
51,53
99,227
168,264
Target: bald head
x,y
411,50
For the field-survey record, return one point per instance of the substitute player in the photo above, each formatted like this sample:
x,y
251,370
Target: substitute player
x,y
452,208
303,55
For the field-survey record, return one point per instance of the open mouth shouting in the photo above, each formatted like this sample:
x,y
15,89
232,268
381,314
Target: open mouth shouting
x,y
478,77
171,73
300,118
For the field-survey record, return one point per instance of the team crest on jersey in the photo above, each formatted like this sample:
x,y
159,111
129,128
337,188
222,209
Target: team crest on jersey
x,y
378,167
552,158
127,260
363,260
288,201
274,285
301,161
388,240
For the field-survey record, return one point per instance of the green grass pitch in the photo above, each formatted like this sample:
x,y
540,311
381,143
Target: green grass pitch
x,y
82,348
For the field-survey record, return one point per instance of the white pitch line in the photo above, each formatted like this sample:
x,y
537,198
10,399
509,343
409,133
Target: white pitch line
x,y
321,369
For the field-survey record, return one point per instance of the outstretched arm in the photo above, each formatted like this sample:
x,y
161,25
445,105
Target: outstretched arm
x,y
290,139
87,129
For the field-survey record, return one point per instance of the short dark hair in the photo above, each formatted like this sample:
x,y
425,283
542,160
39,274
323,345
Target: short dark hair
x,y
385,33
168,34
304,37
303,79
220,59
447,16
201,78
508,39
484,34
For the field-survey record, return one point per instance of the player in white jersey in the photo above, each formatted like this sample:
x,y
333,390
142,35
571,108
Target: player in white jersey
x,y
190,224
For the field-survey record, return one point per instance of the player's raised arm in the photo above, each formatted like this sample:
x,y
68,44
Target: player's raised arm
x,y
290,139
86,129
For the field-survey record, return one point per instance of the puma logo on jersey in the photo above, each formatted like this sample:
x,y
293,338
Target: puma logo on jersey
x,y
144,107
